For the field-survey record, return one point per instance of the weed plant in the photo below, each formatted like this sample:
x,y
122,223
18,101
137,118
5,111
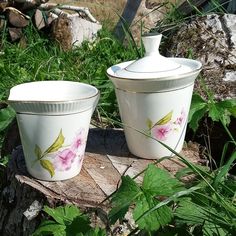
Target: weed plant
x,y
162,204
38,58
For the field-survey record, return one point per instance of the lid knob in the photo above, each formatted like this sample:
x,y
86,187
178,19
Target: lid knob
x,y
151,43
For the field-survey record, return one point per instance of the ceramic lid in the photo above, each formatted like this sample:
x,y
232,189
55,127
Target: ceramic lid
x,y
153,65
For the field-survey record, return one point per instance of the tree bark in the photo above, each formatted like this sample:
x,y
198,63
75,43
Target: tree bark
x,y
107,158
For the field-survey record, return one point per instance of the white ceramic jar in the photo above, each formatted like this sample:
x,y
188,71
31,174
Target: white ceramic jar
x,y
154,95
53,119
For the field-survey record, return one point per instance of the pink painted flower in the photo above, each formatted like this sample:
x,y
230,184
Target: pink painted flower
x,y
64,159
161,132
78,141
180,120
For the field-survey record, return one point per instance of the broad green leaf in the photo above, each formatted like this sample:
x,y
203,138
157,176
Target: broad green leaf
x,y
64,215
214,113
165,119
197,103
232,111
38,152
49,227
96,232
57,144
47,165
222,110
123,198
159,182
211,229
93,232
227,104
155,219
196,117
201,212
189,212
6,117
79,224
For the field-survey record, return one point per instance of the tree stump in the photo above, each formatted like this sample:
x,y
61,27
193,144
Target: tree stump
x,y
107,158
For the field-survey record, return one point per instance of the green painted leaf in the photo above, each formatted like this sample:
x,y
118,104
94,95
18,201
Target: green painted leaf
x,y
165,119
57,144
159,182
123,198
38,152
155,219
149,124
47,165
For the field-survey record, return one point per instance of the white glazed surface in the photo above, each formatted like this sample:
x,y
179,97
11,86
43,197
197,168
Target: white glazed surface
x,y
154,65
137,108
53,97
53,119
147,82
43,131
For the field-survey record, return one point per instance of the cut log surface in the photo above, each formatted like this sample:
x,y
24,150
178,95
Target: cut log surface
x,y
107,158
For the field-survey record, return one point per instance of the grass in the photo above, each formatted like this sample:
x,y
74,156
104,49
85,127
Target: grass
x,y
41,59
210,208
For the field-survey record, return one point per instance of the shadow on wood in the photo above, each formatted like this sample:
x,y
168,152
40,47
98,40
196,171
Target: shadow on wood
x,y
107,158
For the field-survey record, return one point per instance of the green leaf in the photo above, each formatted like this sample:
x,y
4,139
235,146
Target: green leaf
x,y
214,113
64,215
227,104
57,144
165,119
123,198
70,219
47,165
196,117
96,232
155,219
224,170
6,117
149,124
222,110
159,182
189,212
197,104
38,152
92,232
49,227
79,224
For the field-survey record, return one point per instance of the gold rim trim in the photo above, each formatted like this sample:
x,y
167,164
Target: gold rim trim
x,y
174,77
164,91
123,66
54,102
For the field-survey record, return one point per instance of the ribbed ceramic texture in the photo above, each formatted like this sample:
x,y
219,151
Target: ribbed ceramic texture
x,y
53,97
56,108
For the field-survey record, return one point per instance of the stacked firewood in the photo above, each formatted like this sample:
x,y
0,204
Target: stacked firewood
x,y
17,14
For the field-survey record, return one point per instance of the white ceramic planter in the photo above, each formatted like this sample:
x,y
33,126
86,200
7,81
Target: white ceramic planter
x,y
154,95
53,119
